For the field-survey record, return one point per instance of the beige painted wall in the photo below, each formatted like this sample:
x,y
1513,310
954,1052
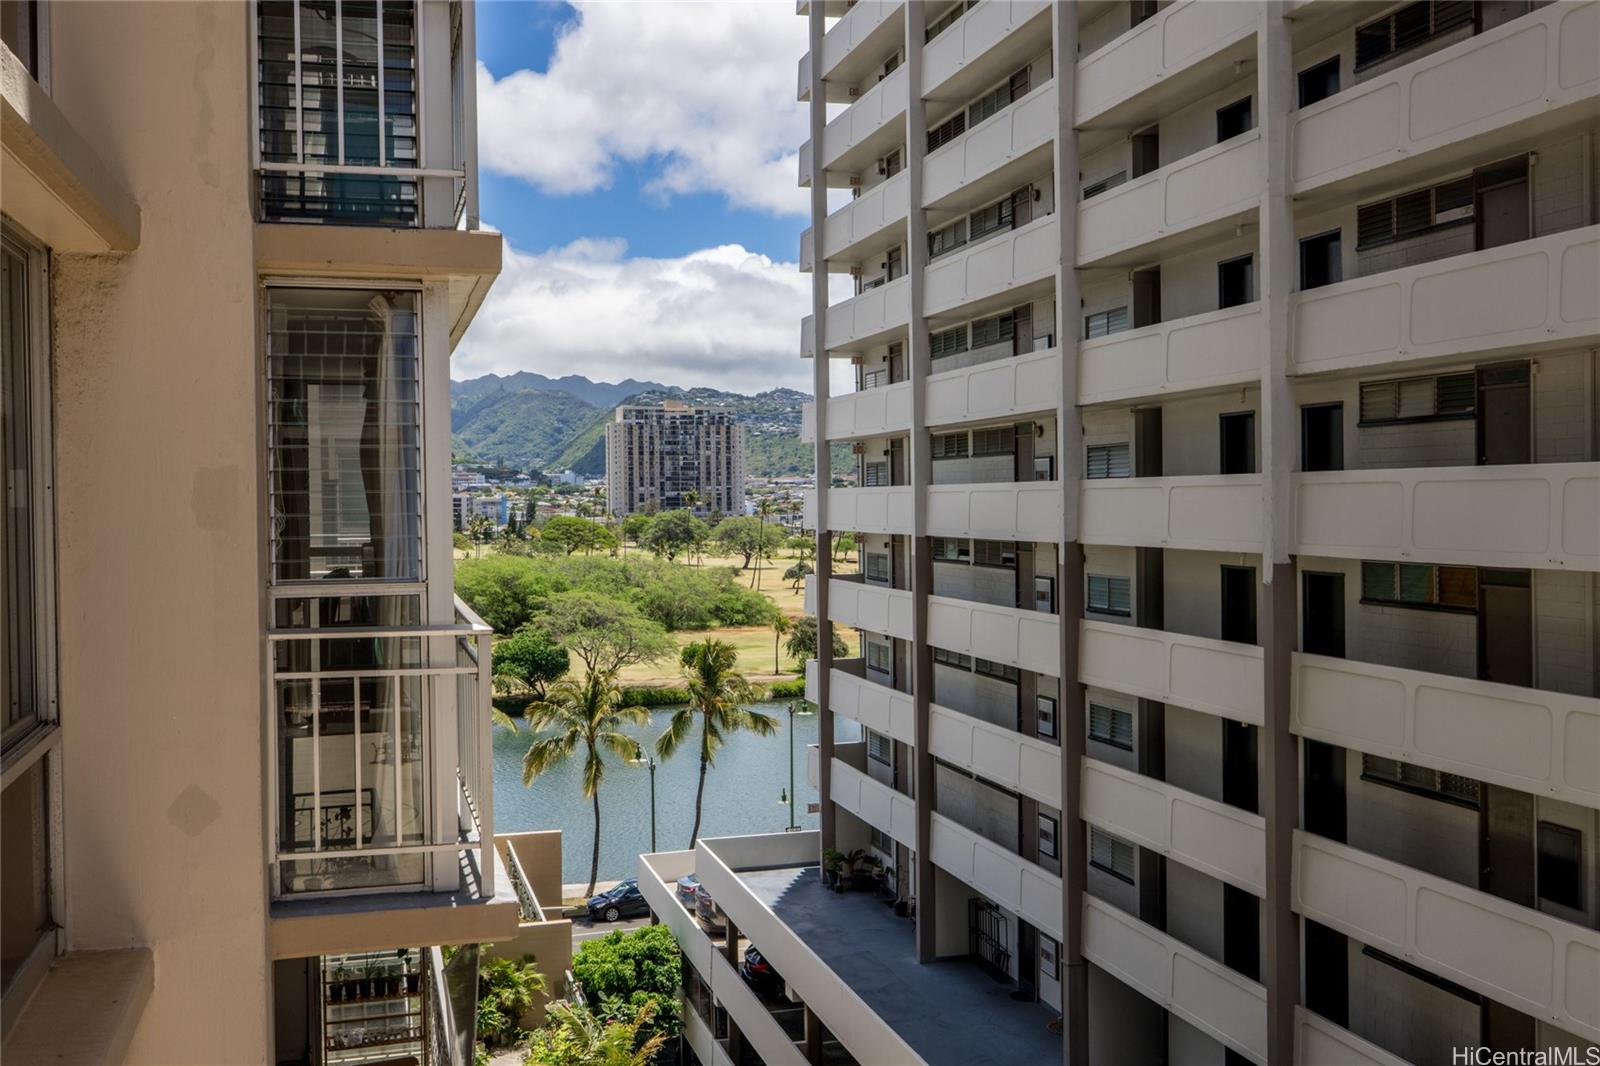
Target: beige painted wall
x,y
159,522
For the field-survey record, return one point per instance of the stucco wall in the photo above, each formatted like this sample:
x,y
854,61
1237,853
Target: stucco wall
x,y
159,527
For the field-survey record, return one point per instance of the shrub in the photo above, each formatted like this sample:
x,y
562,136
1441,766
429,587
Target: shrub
x,y
623,972
781,690
644,696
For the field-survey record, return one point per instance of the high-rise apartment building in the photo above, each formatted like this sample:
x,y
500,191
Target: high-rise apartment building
x,y
1226,420
671,456
247,771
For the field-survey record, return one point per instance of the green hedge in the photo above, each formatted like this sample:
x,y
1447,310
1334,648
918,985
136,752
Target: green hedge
x,y
641,696
781,690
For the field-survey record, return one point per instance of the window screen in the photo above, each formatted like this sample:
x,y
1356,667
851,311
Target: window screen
x,y
1108,460
1111,725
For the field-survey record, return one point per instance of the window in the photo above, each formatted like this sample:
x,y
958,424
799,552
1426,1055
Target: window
x,y
20,28
1320,262
1001,440
338,87
1236,281
947,238
951,341
949,445
997,99
994,329
874,475
1110,595
894,263
1419,585
1139,11
1419,399
992,219
892,164
1560,869
1407,28
1049,842
344,435
1233,120
947,131
880,840
1111,725
1413,213
998,671
879,747
1105,184
1108,460
880,658
948,19
1111,855
877,565
948,549
1319,82
952,658
1045,711
1436,784
994,553
1105,323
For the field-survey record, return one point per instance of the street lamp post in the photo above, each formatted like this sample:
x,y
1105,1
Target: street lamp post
x,y
792,705
643,758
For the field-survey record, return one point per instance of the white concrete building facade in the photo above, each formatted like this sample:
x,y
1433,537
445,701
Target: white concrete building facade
x,y
1225,429
674,456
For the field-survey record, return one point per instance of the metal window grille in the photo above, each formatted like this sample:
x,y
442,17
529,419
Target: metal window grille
x,y
1111,855
1108,460
1105,323
1111,725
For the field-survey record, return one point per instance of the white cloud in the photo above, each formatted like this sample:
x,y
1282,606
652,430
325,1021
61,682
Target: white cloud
x,y
723,317
703,95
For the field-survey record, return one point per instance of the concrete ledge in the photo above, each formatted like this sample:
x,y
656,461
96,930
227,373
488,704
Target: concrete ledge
x,y
86,1010
388,921
55,185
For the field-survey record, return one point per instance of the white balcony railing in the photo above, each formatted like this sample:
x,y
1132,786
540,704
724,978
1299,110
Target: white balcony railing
x,y
878,707
869,510
1217,677
437,710
1008,758
1160,49
1021,887
860,220
1026,127
1536,741
1319,1042
870,607
996,265
1507,83
1216,349
1219,512
1181,202
874,803
854,322
864,20
1528,295
1028,640
1003,387
1001,510
1515,955
871,412
1540,515
875,117
972,37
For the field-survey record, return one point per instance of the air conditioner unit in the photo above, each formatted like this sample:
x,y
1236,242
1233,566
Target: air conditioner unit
x,y
854,91
855,360
858,448
855,272
855,181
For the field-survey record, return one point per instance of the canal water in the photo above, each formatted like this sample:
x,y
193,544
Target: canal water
x,y
742,792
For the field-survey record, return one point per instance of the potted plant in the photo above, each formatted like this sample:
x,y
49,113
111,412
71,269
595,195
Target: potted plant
x,y
833,868
861,865
374,978
336,987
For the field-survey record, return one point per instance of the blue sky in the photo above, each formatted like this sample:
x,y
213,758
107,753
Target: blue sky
x,y
640,160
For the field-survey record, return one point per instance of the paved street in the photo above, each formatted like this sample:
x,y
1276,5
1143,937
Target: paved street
x,y
583,929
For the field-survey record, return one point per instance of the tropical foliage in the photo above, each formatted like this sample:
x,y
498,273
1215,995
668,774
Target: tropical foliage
x,y
577,1036
802,643
506,991
625,972
531,657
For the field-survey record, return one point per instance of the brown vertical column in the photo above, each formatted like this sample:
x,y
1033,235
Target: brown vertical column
x,y
1277,272
824,466
917,359
814,1037
1074,855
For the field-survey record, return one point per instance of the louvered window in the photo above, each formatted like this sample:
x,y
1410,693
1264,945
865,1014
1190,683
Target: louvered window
x,y
947,239
999,98
1111,725
1105,323
337,83
947,131
1110,595
948,549
1409,27
998,671
1420,779
1105,183
951,658
949,446
343,435
999,441
1111,855
950,341
877,566
879,747
1413,399
991,219
993,330
879,658
1108,460
994,553
1420,585
1414,212
946,20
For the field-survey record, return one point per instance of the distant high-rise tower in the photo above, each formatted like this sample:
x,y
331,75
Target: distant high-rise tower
x,y
658,454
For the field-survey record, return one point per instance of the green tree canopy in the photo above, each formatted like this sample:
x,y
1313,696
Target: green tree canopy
x,y
605,632
749,537
635,526
671,533
798,573
577,534
802,643
576,1036
624,972
505,591
530,656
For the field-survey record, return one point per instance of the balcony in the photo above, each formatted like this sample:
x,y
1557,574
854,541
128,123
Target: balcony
x,y
1319,1042
1218,349
1528,739
1524,296
859,321
1004,510
874,510
878,707
1494,92
871,607
1021,887
876,412
978,163
849,231
1010,266
1540,515
1184,204
1223,841
864,36
1028,640
983,46
874,802
1217,677
1004,756
1221,1003
1515,955
1219,512
1002,387
1182,53
871,127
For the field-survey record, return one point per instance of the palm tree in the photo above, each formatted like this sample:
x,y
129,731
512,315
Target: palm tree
x,y
717,694
691,499
782,626
590,713
764,508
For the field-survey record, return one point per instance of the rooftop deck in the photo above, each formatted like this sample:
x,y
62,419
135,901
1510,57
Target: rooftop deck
x,y
872,951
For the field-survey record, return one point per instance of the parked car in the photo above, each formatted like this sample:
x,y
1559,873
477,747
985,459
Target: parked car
x,y
624,900
705,906
759,974
687,884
